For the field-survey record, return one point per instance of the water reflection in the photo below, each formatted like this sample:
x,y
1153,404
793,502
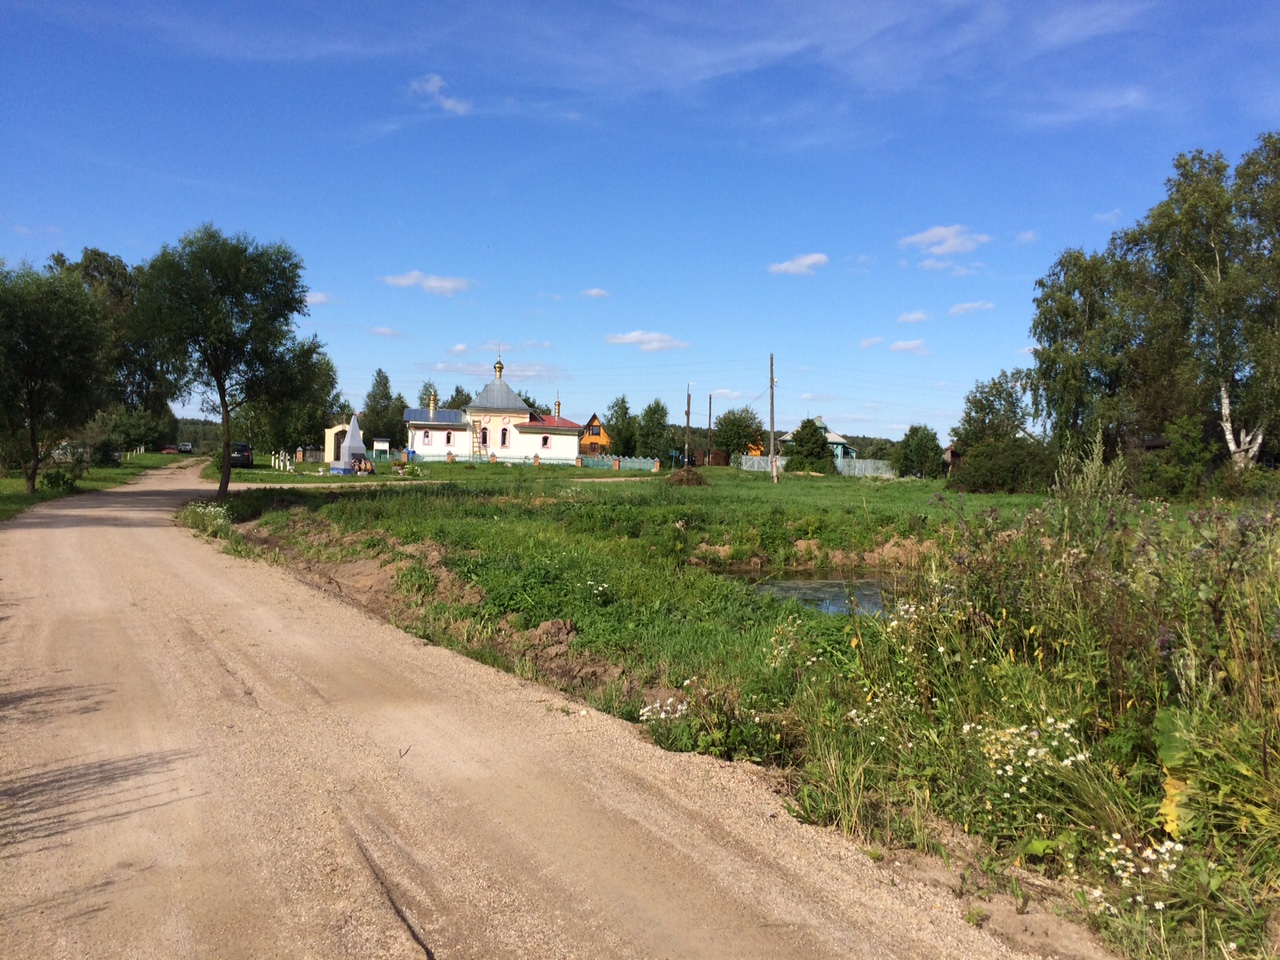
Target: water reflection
x,y
864,597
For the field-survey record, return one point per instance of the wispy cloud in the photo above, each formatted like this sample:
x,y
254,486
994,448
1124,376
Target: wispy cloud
x,y
458,349
723,394
944,241
915,316
648,342
1027,351
1111,216
801,266
535,345
316,299
1026,236
595,292
909,346
1104,105
441,286
870,342
385,332
431,88
962,308
817,397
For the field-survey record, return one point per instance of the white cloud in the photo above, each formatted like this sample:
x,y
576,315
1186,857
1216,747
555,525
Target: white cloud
x,y
871,342
536,345
915,316
726,394
1111,216
932,263
441,286
963,308
458,349
510,371
942,241
819,397
1027,351
432,88
594,292
909,346
801,266
315,299
385,332
648,342
1026,236
550,296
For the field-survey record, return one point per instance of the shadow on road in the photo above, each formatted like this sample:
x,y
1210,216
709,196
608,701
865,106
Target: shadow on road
x,y
37,704
45,802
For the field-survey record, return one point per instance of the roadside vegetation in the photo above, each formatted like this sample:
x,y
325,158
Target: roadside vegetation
x,y
1084,686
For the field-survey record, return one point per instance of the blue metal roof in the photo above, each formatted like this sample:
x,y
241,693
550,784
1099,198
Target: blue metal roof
x,y
442,416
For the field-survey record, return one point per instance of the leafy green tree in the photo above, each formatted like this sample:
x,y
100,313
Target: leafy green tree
x,y
1209,249
808,450
52,345
994,410
229,304
383,415
620,425
302,402
872,448
460,400
736,430
918,454
651,431
424,395
1084,357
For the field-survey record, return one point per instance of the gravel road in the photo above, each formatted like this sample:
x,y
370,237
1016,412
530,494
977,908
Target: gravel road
x,y
202,757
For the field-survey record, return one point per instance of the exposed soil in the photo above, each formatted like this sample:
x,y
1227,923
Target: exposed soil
x,y
206,757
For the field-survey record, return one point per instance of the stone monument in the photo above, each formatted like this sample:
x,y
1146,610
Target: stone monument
x,y
352,449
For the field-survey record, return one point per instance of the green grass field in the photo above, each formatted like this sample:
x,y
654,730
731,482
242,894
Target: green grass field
x,y
13,491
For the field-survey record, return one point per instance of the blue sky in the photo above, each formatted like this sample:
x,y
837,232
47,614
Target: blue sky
x,y
629,197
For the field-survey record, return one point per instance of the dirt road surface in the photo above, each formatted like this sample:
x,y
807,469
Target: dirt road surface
x,y
202,757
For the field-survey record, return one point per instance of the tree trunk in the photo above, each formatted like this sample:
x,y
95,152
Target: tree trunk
x,y
32,438
1244,450
224,481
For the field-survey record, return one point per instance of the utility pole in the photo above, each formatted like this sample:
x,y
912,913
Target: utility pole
x,y
708,430
688,410
773,455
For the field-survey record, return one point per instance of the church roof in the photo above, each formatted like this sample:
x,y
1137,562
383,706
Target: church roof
x,y
498,396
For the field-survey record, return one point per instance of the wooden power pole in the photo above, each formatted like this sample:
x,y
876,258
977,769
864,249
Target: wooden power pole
x,y
773,454
708,463
688,411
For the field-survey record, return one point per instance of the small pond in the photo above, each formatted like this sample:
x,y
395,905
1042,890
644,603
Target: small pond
x,y
816,589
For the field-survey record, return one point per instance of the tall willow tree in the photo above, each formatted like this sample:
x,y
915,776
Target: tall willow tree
x,y
229,305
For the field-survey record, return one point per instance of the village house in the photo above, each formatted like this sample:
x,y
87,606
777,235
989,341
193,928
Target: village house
x,y
595,438
496,426
840,447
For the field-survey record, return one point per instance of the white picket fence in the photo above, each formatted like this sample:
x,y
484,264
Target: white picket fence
x,y
848,468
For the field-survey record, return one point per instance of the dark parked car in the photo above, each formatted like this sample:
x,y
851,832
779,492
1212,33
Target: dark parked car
x,y
241,455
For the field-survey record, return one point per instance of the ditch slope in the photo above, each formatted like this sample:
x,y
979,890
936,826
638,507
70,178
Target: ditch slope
x,y
207,757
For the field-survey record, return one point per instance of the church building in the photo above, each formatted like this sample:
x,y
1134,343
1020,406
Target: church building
x,y
496,426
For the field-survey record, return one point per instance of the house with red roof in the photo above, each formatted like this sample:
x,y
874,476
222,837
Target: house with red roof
x,y
496,426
